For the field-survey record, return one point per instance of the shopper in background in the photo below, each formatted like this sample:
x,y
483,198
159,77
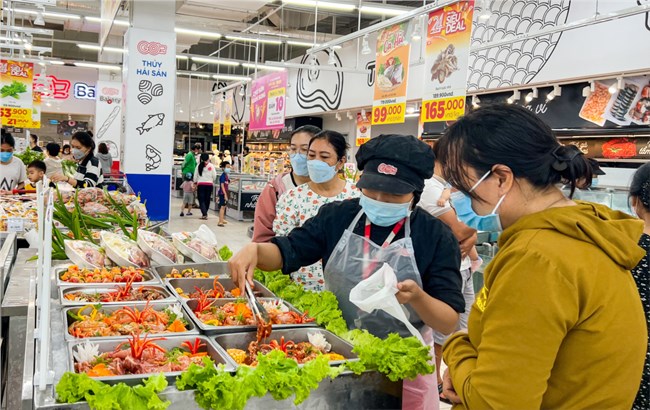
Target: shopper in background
x,y
105,158
224,181
89,172
247,161
52,160
227,157
544,321
188,188
327,154
189,164
640,202
204,177
33,143
35,172
12,170
66,154
265,208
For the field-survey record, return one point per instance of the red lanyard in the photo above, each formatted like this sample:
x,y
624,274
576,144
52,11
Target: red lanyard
x,y
369,267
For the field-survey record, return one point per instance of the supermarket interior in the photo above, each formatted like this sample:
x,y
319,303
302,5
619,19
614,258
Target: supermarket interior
x,y
324,204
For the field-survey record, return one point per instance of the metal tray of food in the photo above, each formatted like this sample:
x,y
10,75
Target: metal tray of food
x,y
212,268
166,296
186,286
191,304
190,327
149,278
242,340
108,345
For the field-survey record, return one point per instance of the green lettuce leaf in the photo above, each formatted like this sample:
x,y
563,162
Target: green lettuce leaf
x,y
225,253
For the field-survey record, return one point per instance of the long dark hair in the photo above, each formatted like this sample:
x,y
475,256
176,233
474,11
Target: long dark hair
x,y
204,158
640,186
513,136
84,139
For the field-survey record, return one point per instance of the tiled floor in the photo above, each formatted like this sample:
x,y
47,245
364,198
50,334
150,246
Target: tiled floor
x,y
234,234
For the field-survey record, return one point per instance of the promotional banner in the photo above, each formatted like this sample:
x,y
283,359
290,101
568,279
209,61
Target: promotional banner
x,y
108,116
268,95
446,62
17,99
218,114
363,130
391,79
627,106
227,113
36,110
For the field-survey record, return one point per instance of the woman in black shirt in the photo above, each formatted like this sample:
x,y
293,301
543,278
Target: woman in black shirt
x,y
89,171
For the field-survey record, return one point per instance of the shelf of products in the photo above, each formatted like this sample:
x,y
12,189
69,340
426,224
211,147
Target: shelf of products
x,y
269,158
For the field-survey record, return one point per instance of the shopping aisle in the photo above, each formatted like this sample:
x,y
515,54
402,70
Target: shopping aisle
x,y
234,234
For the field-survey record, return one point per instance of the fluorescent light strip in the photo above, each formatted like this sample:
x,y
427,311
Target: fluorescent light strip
x,y
98,66
116,22
56,62
65,16
321,4
254,40
230,77
301,43
192,74
209,34
262,67
97,48
382,11
217,61
15,40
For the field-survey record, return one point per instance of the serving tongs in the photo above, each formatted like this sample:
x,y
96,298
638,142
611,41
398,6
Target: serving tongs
x,y
262,316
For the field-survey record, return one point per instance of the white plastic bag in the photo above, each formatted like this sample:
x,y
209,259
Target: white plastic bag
x,y
378,293
205,234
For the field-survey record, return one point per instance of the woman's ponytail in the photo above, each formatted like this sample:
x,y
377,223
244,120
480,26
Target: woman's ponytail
x,y
204,157
572,166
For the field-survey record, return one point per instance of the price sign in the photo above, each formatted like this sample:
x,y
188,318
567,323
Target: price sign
x,y
444,109
388,114
16,117
275,113
362,140
15,225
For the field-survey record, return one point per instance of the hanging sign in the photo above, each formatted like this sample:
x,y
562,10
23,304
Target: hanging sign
x,y
391,78
218,113
363,129
447,57
268,102
108,116
17,99
227,113
36,110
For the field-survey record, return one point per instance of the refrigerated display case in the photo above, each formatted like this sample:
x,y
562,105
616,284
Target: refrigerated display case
x,y
177,180
243,193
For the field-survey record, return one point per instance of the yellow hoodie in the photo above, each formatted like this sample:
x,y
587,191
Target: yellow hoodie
x,y
559,323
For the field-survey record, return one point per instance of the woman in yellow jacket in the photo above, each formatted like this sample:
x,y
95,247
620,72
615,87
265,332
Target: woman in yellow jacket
x,y
559,323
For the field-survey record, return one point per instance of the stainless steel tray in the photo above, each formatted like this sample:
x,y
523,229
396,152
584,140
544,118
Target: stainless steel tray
x,y
149,276
213,268
188,286
190,305
191,327
215,352
64,290
242,340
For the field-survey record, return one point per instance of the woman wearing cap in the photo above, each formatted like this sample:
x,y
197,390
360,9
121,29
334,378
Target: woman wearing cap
x,y
265,208
354,238
558,297
326,158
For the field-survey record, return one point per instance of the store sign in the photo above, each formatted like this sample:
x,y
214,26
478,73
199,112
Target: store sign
x,y
227,113
363,129
84,91
108,116
447,54
218,115
613,147
268,102
17,99
391,75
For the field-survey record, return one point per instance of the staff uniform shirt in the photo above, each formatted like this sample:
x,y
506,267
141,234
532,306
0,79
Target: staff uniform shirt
x,y
436,250
12,174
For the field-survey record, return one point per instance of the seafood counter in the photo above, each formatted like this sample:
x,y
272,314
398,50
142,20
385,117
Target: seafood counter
x,y
125,324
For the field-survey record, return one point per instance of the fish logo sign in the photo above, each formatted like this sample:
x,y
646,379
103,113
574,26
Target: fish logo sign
x,y
153,121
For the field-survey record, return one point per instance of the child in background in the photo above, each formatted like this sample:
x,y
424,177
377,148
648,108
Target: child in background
x,y
188,194
224,180
35,172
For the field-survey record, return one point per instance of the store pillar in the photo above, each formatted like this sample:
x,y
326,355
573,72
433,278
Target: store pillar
x,y
149,89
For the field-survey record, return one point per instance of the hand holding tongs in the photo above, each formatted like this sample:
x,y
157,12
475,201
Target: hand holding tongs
x,y
257,307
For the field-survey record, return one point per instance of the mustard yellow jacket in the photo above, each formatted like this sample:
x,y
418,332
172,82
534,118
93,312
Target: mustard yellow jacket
x,y
559,323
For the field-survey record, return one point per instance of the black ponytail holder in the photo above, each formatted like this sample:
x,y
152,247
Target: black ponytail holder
x,y
561,162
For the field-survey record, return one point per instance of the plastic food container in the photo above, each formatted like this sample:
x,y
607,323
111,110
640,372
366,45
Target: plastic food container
x,y
95,292
183,287
123,251
189,245
148,278
212,268
159,249
85,254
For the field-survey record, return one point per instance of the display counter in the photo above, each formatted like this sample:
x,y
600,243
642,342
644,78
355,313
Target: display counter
x,y
243,192
177,180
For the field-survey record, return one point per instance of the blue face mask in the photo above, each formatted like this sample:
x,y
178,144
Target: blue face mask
x,y
462,203
299,164
384,213
320,171
6,156
227,170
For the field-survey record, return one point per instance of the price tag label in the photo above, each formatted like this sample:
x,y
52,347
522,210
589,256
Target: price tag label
x,y
275,113
362,140
388,114
16,117
15,225
444,109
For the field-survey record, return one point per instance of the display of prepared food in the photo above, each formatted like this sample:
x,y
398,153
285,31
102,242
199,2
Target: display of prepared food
x,y
211,268
141,355
187,273
195,248
95,320
116,274
216,288
14,206
85,254
594,107
123,250
115,295
161,251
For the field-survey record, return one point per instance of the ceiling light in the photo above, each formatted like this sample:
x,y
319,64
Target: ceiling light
x,y
28,46
616,86
410,109
337,116
201,33
531,95
415,114
181,57
254,40
349,115
363,113
592,86
320,4
417,30
301,43
365,48
98,66
15,40
382,10
39,20
332,58
98,48
242,91
230,77
485,11
550,96
475,101
116,22
586,91
557,90
516,95
64,16
56,62
218,61
262,67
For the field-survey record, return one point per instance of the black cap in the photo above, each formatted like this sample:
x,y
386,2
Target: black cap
x,y
595,167
396,164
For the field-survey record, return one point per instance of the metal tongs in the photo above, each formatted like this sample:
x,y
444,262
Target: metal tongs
x,y
257,307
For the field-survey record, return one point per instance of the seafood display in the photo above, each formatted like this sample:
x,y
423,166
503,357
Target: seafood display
x,y
88,195
189,288
624,101
445,64
194,247
127,293
216,292
74,274
17,207
187,273
138,355
595,105
95,321
123,250
641,110
390,74
95,209
85,254
280,314
157,248
236,313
